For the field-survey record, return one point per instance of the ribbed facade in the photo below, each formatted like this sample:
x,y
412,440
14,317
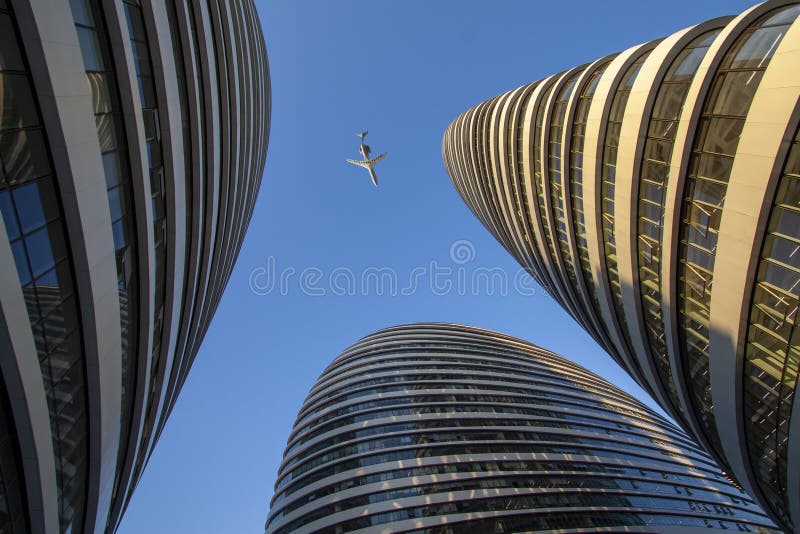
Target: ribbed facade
x,y
452,429
655,194
133,136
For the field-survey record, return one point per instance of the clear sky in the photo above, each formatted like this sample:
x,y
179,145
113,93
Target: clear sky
x,y
402,70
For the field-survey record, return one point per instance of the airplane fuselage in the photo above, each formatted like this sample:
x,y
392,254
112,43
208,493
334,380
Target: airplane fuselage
x,y
367,163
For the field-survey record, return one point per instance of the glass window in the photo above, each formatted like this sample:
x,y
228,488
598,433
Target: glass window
x,y
758,48
9,215
31,211
24,155
18,109
10,57
90,48
734,92
101,91
772,355
724,110
653,181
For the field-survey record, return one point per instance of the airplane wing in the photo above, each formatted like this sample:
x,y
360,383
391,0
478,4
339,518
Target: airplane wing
x,y
373,161
364,164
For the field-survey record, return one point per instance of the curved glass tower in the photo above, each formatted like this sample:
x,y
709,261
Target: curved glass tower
x,y
449,428
132,143
655,194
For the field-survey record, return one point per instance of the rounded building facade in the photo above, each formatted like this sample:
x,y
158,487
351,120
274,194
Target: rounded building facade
x,y
655,194
446,428
133,136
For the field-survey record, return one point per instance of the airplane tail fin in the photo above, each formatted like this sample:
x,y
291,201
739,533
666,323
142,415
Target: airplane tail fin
x,y
362,135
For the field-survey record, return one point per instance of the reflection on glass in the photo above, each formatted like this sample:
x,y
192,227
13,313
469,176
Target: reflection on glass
x,y
34,221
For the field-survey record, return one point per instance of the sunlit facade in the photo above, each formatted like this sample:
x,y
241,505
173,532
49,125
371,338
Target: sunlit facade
x,y
452,429
133,137
655,194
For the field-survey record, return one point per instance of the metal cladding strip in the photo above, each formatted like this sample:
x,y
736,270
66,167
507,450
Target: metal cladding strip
x,y
506,153
479,154
482,154
514,148
472,121
350,381
769,128
631,141
571,302
237,164
21,376
255,176
128,87
409,468
525,402
211,152
463,157
65,100
216,188
684,135
204,79
227,149
252,101
529,141
175,177
234,190
500,152
196,102
315,442
389,460
681,155
540,190
533,258
691,334
566,178
184,56
713,152
94,141
656,69
592,171
487,150
445,477
336,403
472,124
459,375
475,149
461,522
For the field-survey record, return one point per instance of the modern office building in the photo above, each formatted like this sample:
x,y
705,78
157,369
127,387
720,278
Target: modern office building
x,y
132,142
655,194
446,428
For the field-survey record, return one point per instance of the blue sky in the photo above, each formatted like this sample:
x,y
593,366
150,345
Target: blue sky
x,y
403,71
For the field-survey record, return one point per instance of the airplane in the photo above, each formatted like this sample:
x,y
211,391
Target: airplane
x,y
366,162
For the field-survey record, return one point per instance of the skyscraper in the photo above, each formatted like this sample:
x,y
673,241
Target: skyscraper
x,y
132,142
655,194
452,429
